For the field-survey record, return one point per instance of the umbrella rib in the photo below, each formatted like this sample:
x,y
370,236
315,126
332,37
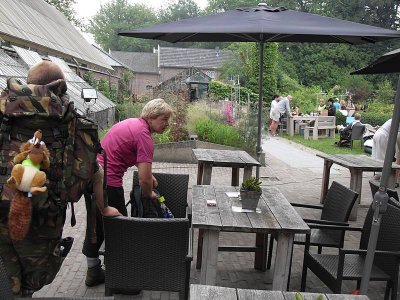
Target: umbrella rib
x,y
342,39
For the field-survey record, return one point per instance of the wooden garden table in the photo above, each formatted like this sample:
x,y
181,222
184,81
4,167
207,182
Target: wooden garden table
x,y
357,164
276,215
235,159
201,292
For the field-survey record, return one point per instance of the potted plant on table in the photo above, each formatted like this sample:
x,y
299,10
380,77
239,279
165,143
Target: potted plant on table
x,y
250,193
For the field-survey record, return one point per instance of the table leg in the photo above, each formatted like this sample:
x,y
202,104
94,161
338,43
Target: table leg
x,y
200,168
325,179
291,126
260,256
355,185
209,262
247,171
207,170
235,176
282,261
199,248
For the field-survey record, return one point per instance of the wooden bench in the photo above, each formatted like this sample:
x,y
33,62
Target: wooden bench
x,y
327,123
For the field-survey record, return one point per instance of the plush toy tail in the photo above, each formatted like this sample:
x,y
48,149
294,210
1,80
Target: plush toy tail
x,y
19,217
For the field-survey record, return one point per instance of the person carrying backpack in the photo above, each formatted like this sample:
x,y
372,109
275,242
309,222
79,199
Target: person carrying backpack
x,y
43,104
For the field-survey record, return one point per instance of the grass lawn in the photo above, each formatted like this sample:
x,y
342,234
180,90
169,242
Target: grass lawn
x,y
327,145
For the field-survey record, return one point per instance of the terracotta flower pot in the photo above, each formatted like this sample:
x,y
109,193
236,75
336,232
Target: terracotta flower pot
x,y
250,199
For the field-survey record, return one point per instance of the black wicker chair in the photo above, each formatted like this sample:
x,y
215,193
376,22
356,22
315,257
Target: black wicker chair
x,y
374,185
336,210
332,269
6,293
151,253
357,133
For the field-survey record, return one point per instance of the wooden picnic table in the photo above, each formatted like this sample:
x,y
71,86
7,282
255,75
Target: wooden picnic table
x,y
296,119
357,164
276,215
201,292
235,159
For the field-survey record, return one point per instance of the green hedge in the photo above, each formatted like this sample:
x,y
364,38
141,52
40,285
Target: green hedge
x,y
374,118
214,132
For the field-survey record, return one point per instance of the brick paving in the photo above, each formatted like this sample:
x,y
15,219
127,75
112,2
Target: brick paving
x,y
298,177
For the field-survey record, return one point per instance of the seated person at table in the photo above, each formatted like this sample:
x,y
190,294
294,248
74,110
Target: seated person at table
x,y
322,105
342,105
336,104
331,108
345,132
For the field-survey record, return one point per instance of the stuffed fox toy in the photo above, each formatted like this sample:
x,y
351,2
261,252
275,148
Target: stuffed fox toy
x,y
26,177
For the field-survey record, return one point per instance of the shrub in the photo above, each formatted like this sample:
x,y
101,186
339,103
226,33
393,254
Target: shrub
x,y
214,132
340,118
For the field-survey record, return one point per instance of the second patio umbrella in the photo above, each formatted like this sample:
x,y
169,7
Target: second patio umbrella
x,y
263,24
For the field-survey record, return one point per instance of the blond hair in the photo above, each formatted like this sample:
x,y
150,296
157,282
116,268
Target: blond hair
x,y
155,108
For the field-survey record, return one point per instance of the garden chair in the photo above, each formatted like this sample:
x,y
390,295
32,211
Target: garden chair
x,y
332,269
357,133
375,187
336,210
6,293
151,253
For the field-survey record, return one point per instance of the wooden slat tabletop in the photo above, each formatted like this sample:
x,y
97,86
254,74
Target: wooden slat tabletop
x,y
276,212
283,211
363,162
227,158
200,292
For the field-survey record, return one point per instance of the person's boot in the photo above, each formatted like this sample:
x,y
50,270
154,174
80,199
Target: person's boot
x,y
94,276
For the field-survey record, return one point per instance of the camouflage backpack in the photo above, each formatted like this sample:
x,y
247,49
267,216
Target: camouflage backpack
x,y
71,139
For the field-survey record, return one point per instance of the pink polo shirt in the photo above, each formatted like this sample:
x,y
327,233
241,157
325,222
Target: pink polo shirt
x,y
127,143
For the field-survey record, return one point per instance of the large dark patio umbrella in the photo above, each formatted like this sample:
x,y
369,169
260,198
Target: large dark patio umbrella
x,y
263,24
387,63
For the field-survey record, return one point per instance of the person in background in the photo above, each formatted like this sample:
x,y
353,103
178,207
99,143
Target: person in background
x,y
283,105
345,132
274,115
331,108
380,142
128,143
336,104
342,105
350,105
321,105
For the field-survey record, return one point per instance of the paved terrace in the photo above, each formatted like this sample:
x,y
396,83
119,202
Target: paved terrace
x,y
294,169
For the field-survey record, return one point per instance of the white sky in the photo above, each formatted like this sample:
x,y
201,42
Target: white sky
x,y
87,8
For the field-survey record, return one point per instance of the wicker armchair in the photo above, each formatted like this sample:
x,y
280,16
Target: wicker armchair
x,y
6,293
349,264
151,253
336,210
374,185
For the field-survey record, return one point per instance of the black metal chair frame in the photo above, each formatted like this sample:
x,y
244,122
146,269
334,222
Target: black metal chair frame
x,y
151,253
336,210
374,188
348,264
357,132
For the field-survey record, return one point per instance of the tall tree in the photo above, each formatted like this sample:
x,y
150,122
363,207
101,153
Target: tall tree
x,y
66,7
118,15
182,9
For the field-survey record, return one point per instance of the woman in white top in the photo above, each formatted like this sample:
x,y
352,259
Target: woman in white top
x,y
274,115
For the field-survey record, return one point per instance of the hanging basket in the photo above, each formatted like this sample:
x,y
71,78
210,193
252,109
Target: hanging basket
x,y
250,199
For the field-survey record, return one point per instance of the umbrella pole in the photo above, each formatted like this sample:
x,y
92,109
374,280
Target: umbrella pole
x,y
381,197
260,102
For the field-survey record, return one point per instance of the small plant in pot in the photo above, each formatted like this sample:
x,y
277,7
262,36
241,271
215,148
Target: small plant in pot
x,y
250,193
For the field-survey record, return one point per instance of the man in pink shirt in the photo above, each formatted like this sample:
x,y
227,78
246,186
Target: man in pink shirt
x,y
128,143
